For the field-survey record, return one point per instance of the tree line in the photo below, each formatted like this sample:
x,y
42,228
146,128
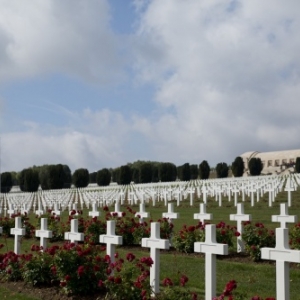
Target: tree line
x,y
51,177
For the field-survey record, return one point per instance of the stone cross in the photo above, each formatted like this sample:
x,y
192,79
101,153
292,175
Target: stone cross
x,y
155,243
18,231
56,210
10,210
289,188
74,236
94,212
236,191
211,248
240,217
191,192
271,194
24,209
153,193
117,210
284,217
142,213
170,214
111,239
43,233
283,255
204,192
73,207
202,215
40,210
252,190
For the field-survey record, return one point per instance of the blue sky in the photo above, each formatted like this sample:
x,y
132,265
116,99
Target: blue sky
x,y
101,83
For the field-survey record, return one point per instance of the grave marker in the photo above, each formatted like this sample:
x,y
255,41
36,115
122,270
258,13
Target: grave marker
x,y
142,213
283,255
155,243
284,217
94,212
18,231
211,248
202,215
74,236
111,239
240,217
43,233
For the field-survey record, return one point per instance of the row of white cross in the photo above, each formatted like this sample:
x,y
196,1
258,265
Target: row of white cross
x,y
282,254
253,187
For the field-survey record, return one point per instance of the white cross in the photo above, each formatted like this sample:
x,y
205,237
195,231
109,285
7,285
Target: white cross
x,y
271,194
284,217
170,214
155,243
211,248
40,210
111,239
142,213
283,256
74,236
191,192
43,233
289,188
204,192
10,210
94,212
153,193
240,217
252,190
18,231
74,208
202,215
56,210
236,191
117,210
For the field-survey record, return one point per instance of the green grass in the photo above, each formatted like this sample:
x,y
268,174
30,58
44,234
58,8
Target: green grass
x,y
253,278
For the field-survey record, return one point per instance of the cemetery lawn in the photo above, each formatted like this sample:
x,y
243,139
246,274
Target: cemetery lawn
x,y
252,278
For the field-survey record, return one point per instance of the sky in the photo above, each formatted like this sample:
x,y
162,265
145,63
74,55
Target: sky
x,y
102,83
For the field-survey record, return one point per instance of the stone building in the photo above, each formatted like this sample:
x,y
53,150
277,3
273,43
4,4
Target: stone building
x,y
276,162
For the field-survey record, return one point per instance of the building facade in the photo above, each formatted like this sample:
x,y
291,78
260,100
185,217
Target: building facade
x,y
276,162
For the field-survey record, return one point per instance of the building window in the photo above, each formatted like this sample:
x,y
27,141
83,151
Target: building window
x,y
277,163
269,163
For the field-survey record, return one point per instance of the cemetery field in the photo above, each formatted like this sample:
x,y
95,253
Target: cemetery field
x,y
253,278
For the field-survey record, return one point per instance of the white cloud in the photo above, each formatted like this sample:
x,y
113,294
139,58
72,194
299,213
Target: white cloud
x,y
94,141
228,69
71,37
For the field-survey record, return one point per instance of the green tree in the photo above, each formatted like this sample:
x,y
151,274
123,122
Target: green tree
x,y
255,166
237,167
146,172
135,175
204,170
222,170
31,182
93,177
155,175
125,175
81,178
167,172
6,182
297,165
184,172
67,177
194,172
103,177
53,177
